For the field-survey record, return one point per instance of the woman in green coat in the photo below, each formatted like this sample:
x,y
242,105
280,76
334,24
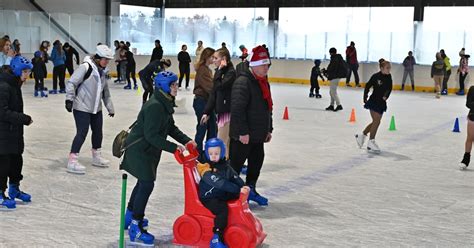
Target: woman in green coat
x,y
155,122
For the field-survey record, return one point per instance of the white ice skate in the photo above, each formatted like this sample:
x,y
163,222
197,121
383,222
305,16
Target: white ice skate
x,y
360,138
462,166
373,147
73,165
98,160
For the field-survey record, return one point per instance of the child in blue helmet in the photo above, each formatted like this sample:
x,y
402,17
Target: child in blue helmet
x,y
149,138
12,120
219,184
315,73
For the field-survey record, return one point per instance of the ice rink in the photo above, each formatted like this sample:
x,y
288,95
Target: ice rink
x,y
323,190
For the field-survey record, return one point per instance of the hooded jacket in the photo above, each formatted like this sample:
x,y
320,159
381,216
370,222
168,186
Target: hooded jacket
x,y
87,94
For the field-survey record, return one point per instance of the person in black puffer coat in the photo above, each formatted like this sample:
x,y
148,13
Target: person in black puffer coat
x,y
251,119
220,97
12,120
336,70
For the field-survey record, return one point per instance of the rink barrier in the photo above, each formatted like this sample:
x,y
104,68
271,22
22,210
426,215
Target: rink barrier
x,y
342,83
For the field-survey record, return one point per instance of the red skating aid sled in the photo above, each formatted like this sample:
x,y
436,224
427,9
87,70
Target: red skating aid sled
x,y
194,227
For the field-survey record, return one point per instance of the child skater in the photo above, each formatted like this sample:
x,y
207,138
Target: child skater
x,y
315,73
470,129
154,124
39,73
219,184
381,82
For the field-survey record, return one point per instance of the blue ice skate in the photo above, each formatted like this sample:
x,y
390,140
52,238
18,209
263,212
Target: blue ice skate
x,y
256,197
44,93
127,87
139,236
53,92
216,242
128,220
36,93
14,192
6,204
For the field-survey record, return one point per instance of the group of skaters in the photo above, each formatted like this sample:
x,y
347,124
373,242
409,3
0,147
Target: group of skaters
x,y
238,103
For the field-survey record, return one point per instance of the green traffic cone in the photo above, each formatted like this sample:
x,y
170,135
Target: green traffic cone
x,y
392,124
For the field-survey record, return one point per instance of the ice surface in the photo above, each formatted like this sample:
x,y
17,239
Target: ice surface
x,y
323,191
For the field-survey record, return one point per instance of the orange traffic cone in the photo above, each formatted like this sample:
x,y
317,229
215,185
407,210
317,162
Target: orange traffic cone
x,y
353,116
285,114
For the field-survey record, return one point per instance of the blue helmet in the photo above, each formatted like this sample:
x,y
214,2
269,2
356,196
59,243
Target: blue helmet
x,y
164,79
38,54
214,142
20,63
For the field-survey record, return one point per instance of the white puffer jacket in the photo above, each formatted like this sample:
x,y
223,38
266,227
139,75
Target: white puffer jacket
x,y
90,91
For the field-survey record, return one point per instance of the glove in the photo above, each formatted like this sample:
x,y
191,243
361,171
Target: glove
x,y
111,114
69,105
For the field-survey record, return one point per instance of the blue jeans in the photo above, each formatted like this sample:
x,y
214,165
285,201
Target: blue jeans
x,y
83,120
210,127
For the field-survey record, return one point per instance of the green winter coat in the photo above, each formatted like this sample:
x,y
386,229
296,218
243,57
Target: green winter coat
x,y
155,122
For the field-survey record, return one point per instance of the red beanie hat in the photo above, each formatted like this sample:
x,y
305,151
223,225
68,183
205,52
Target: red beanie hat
x,y
259,56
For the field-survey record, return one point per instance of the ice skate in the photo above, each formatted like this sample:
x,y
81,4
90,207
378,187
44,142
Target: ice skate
x,y
216,242
44,92
138,235
14,192
465,161
128,220
73,165
330,108
339,107
373,147
256,197
360,138
6,204
98,160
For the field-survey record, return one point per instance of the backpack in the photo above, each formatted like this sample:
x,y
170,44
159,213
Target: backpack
x,y
86,76
119,146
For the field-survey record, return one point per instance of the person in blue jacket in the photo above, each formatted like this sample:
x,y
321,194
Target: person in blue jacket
x,y
58,56
219,184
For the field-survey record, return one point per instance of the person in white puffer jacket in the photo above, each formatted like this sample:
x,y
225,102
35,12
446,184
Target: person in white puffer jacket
x,y
85,91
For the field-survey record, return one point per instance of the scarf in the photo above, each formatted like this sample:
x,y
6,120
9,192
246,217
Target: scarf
x,y
265,87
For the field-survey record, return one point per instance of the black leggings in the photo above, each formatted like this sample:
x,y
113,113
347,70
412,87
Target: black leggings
x,y
147,88
139,198
59,72
10,167
254,153
131,70
184,71
70,69
39,84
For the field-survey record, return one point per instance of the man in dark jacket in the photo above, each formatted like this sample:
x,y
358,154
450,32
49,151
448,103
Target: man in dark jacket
x,y
251,119
12,120
70,52
336,70
147,75
157,52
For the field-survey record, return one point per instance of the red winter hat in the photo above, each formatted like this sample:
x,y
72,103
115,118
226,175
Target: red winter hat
x,y
259,56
